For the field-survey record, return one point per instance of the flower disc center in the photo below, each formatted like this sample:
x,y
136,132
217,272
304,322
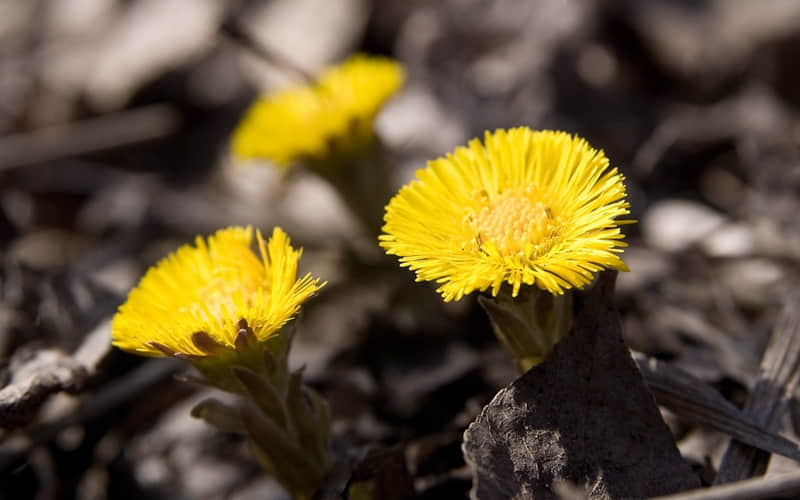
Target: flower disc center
x,y
514,221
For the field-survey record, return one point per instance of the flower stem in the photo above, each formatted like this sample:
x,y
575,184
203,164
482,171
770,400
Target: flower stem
x,y
530,324
363,180
286,422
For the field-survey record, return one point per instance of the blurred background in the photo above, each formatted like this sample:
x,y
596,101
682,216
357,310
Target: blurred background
x,y
115,117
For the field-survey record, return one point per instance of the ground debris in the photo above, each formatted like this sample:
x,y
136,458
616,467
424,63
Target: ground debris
x,y
34,376
769,399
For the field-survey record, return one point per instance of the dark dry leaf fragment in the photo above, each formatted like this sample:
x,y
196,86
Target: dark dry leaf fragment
x,y
583,416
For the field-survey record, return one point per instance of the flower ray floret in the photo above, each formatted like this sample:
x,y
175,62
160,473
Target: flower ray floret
x,y
523,208
206,293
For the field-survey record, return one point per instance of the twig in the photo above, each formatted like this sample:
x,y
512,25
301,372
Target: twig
x,y
127,388
88,136
241,37
35,376
785,485
696,401
780,369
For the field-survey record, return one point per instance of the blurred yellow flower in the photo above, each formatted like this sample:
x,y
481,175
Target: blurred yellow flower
x,y
330,116
198,296
523,208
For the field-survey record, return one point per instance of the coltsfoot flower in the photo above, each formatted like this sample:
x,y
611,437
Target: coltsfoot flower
x,y
223,307
201,299
526,215
524,207
332,116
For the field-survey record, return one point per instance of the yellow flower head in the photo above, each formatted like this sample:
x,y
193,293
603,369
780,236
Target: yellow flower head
x,y
524,208
333,115
216,287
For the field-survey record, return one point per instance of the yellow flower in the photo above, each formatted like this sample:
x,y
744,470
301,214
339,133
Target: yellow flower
x,y
332,115
525,208
210,288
